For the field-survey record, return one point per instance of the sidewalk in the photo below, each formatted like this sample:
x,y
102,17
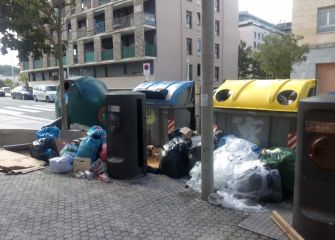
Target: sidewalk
x,y
46,206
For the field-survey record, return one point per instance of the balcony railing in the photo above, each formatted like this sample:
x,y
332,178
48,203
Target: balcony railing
x,y
101,2
82,32
99,27
38,63
150,50
122,22
107,54
25,65
149,19
89,57
128,52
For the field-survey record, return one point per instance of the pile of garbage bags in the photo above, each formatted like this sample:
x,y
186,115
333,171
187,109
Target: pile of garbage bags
x,y
245,174
89,154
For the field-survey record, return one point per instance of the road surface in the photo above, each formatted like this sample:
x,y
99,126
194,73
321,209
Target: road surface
x,y
25,114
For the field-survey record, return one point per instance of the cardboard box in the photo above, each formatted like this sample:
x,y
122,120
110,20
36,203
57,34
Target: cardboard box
x,y
81,164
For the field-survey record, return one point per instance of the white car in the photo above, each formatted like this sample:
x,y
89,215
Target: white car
x,y
45,93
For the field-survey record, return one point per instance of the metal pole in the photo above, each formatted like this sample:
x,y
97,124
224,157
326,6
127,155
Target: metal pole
x,y
206,97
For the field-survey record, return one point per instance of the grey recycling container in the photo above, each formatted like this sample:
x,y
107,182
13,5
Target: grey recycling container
x,y
126,134
314,190
169,105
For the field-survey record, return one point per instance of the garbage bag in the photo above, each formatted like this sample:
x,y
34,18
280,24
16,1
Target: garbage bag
x,y
44,149
282,159
61,164
48,132
98,167
92,143
175,162
69,149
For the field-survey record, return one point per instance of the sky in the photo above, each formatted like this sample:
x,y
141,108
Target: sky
x,y
273,11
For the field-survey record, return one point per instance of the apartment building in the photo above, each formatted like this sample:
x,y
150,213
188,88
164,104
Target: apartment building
x,y
315,21
112,39
252,29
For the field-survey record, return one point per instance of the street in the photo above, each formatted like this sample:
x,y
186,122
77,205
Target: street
x,y
25,114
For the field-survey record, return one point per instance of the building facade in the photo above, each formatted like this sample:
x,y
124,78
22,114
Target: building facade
x,y
253,29
111,39
315,21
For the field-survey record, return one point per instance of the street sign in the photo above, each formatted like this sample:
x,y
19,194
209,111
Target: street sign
x,y
146,69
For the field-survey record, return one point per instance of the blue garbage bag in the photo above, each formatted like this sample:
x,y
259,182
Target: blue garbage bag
x,y
48,132
92,143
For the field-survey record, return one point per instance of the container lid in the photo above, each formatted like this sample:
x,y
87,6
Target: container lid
x,y
270,95
164,92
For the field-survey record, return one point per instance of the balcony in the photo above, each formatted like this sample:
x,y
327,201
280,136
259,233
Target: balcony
x,y
149,19
102,2
123,22
150,50
107,54
25,65
128,52
81,32
89,57
99,27
64,60
38,63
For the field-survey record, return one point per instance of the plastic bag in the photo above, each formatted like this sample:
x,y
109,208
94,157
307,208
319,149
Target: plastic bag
x,y
175,161
227,200
91,145
48,132
69,149
61,164
44,149
282,159
98,167
234,150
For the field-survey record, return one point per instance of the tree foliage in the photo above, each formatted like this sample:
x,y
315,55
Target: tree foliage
x,y
35,28
279,53
248,67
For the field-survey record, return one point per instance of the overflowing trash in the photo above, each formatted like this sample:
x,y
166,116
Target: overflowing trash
x,y
245,174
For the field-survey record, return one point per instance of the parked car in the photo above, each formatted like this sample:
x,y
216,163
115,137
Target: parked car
x,y
6,90
22,92
45,93
2,92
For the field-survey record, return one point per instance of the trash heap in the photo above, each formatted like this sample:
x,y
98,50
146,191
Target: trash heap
x,y
244,173
84,157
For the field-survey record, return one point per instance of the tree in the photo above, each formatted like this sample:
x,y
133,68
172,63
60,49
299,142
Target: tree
x,y
9,83
279,53
23,79
35,28
248,67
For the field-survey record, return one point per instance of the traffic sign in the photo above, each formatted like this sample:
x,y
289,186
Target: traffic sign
x,y
146,69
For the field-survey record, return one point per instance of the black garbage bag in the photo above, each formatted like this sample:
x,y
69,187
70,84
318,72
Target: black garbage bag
x,y
175,161
44,149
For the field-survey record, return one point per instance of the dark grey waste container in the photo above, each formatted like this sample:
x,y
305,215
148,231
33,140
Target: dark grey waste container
x,y
126,134
314,193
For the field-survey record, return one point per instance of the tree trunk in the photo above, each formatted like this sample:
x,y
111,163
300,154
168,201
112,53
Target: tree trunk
x,y
61,68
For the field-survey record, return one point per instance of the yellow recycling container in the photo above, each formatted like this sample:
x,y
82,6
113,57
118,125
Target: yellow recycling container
x,y
261,111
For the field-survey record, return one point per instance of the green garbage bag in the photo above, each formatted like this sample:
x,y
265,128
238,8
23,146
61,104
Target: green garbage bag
x,y
282,159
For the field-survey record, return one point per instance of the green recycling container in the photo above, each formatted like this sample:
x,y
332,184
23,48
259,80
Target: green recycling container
x,y
85,100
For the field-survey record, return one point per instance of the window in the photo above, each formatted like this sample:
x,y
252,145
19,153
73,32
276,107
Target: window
x,y
217,5
217,28
188,19
255,35
259,36
326,19
198,19
217,50
189,46
198,69
198,46
190,69
255,45
216,73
